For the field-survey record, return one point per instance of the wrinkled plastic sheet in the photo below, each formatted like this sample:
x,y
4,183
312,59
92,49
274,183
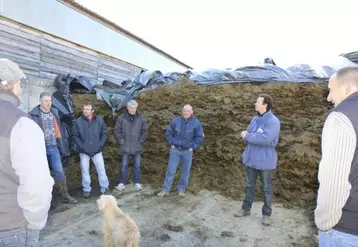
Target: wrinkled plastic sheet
x,y
352,56
78,84
117,95
261,73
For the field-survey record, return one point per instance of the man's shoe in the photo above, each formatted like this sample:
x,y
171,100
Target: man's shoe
x,y
162,194
181,193
242,213
86,194
138,186
120,187
106,192
266,220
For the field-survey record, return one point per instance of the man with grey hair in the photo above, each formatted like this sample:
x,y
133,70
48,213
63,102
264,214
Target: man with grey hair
x,y
131,132
336,214
184,135
25,180
48,119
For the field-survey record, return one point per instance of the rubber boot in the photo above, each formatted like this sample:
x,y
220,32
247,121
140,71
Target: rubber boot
x,y
66,198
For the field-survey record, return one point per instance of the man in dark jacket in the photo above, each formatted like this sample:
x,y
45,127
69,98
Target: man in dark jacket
x,y
90,134
260,156
49,121
131,132
184,136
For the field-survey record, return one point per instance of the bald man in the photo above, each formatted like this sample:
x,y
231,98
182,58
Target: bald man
x,y
184,135
336,214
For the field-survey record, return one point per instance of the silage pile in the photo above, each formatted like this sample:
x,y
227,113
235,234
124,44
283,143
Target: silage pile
x,y
225,111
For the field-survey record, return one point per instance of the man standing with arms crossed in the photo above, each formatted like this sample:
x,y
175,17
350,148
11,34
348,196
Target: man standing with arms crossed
x,y
25,180
90,134
49,121
184,135
336,214
260,156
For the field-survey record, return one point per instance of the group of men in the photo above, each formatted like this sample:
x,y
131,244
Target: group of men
x,y
32,144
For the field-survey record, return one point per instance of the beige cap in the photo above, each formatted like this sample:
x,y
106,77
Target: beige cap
x,y
10,72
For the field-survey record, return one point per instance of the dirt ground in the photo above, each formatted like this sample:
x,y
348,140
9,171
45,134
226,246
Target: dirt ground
x,y
203,220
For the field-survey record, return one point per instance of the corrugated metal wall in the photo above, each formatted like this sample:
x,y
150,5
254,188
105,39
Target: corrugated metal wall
x,y
46,56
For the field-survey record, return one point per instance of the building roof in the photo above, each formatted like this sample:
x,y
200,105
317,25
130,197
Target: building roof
x,y
75,5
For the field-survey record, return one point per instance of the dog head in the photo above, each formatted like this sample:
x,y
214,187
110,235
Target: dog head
x,y
106,200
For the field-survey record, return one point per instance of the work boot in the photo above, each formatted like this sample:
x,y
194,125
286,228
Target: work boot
x,y
66,198
242,213
266,220
162,194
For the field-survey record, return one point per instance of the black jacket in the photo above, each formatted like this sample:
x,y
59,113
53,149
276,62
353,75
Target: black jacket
x,y
88,136
62,145
131,132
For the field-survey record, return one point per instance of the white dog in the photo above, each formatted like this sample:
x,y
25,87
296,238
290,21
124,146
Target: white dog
x,y
119,229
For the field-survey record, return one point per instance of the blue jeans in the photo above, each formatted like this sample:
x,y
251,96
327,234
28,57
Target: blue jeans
x,y
176,155
21,237
136,168
335,238
101,172
54,161
251,177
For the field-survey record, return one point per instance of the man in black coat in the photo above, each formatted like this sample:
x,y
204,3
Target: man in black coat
x,y
89,136
131,132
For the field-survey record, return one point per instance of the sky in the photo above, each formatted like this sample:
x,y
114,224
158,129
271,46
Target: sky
x,y
233,33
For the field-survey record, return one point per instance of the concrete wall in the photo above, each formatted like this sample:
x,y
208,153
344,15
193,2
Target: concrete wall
x,y
55,18
32,90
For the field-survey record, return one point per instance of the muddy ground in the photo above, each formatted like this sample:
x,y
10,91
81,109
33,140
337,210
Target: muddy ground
x,y
202,220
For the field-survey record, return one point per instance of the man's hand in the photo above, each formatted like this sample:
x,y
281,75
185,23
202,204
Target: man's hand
x,y
243,134
191,149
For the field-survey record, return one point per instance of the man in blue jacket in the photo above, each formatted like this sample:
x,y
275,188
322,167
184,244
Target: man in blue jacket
x,y
184,136
260,157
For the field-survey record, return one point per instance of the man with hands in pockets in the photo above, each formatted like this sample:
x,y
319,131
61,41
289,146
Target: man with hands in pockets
x,y
90,134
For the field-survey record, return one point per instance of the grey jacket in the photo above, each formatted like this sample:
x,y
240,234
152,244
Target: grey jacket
x,y
131,132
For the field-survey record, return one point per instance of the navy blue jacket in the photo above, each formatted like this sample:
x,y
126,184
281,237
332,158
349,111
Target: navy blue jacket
x,y
35,114
89,137
185,134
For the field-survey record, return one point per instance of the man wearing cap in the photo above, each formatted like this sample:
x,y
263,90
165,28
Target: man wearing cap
x,y
49,121
25,180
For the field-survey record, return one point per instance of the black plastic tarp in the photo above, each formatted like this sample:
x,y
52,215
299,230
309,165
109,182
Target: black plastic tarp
x,y
117,96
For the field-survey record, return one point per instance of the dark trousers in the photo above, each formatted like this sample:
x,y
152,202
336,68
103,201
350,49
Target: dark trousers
x,y
266,185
